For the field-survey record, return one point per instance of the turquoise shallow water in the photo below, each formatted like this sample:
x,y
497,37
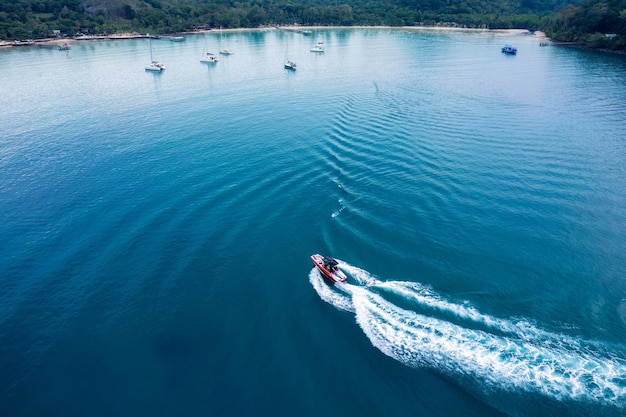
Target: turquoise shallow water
x,y
156,228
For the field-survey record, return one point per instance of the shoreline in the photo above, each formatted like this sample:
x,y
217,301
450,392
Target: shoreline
x,y
134,35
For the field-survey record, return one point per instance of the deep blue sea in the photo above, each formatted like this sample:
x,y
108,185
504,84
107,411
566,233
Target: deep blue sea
x,y
156,228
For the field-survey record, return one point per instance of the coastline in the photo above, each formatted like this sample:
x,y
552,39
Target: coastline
x,y
134,35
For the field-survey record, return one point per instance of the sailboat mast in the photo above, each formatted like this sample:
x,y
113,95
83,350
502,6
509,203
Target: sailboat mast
x,y
150,43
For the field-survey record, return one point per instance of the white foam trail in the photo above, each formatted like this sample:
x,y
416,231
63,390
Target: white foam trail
x,y
418,340
342,301
359,275
428,298
512,355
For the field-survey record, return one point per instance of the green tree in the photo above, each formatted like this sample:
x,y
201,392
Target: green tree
x,y
256,16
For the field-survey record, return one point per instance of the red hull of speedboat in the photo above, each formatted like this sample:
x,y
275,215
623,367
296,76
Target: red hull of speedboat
x,y
336,276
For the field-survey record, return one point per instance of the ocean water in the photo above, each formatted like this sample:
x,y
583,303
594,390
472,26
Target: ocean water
x,y
156,228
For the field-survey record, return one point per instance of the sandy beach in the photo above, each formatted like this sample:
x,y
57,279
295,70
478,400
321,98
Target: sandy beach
x,y
117,36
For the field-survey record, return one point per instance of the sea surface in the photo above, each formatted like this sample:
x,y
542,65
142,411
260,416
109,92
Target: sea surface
x,y
156,229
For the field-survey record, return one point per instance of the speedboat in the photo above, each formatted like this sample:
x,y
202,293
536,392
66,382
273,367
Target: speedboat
x,y
329,267
509,50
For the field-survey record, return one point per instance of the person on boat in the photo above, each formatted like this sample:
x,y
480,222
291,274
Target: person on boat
x,y
330,264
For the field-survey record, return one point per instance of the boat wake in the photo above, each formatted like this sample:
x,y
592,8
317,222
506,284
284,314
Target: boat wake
x,y
340,209
418,327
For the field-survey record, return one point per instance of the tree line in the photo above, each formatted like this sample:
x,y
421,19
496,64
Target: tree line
x,y
586,22
595,23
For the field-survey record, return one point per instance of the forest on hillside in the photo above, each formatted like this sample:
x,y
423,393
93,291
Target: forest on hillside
x,y
588,21
597,24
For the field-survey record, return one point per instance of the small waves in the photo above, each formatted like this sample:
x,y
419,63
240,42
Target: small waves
x,y
340,209
420,328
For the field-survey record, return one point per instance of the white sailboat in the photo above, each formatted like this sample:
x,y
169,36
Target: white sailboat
x,y
319,47
224,51
290,65
208,57
154,65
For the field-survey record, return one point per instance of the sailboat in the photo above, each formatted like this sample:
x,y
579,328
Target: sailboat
x,y
224,51
319,47
155,66
290,65
208,57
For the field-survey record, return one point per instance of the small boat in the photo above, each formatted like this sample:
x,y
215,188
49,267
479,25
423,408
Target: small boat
x,y
154,65
290,65
64,47
509,50
329,268
319,47
209,58
224,51
176,38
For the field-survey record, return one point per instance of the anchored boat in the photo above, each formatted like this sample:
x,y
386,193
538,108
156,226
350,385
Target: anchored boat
x,y
154,65
509,50
319,47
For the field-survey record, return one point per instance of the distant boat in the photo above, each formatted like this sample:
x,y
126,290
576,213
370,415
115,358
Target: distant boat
x,y
64,47
290,65
208,57
509,50
224,51
176,38
319,47
154,66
